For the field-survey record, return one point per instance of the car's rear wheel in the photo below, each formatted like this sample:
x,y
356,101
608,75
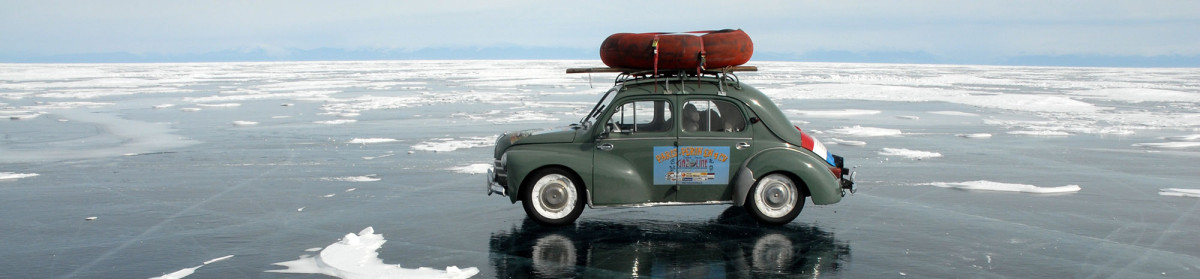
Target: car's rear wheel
x,y
775,199
552,196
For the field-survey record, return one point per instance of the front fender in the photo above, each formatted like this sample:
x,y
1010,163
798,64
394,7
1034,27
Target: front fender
x,y
523,160
812,172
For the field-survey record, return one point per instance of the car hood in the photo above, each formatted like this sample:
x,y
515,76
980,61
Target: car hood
x,y
551,135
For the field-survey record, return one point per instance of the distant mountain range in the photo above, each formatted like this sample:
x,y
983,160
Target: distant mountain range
x,y
563,53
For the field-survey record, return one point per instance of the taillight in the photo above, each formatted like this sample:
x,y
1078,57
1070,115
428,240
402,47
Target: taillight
x,y
837,172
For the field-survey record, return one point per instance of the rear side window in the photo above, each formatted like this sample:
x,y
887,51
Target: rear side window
x,y
712,116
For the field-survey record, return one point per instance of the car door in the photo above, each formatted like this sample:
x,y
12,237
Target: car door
x,y
714,139
638,132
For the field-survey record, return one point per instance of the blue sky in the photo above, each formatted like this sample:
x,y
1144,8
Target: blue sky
x,y
1123,33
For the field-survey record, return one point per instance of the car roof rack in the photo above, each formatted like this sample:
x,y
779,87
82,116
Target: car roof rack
x,y
724,75
633,71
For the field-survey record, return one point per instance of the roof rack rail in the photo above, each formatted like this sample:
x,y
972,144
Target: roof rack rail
x,y
645,71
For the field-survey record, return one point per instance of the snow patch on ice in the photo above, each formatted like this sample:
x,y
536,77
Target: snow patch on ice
x,y
389,154
954,113
909,153
975,136
188,271
847,142
451,144
363,178
1040,133
1180,192
221,105
372,140
471,169
866,131
1138,95
1006,187
831,113
5,176
1184,138
356,256
1169,145
336,122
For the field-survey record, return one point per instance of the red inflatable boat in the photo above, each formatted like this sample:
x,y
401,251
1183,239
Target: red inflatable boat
x,y
677,51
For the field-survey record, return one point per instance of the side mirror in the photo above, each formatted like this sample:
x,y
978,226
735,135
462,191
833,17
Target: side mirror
x,y
755,120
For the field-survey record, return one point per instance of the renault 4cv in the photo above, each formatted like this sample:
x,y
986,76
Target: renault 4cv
x,y
670,139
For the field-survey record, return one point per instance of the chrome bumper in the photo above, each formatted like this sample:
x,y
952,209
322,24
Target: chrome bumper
x,y
848,183
493,183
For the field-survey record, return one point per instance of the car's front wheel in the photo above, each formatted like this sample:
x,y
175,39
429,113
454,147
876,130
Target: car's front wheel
x,y
775,199
552,196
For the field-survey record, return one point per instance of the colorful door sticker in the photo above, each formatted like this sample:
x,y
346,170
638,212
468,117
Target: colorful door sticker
x,y
695,165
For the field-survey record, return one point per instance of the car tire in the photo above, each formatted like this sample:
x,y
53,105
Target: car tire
x,y
775,200
553,196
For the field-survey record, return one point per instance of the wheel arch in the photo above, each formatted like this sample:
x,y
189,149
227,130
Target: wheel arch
x,y
571,172
811,175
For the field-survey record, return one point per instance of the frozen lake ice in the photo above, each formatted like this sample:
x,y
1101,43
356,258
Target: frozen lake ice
x,y
375,169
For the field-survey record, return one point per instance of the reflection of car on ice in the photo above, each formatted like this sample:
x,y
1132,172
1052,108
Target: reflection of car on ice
x,y
670,139
731,247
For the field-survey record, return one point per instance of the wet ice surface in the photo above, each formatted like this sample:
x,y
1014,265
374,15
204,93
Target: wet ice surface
x,y
148,170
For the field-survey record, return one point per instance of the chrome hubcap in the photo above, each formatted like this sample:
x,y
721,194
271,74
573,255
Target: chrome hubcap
x,y
554,196
775,196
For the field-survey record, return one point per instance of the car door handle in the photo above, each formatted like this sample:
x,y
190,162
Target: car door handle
x,y
605,147
742,145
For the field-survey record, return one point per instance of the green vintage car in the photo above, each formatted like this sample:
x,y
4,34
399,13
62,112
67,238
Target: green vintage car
x,y
669,139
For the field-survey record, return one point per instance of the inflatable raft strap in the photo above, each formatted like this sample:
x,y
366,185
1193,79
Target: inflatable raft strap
x,y
655,44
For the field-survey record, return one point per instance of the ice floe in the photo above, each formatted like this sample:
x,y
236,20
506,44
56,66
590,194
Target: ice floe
x,y
847,142
336,122
452,144
831,113
1179,192
861,131
244,123
1183,138
190,109
471,169
356,256
1006,187
362,178
220,105
6,176
909,153
1040,133
1138,95
163,106
975,136
1169,145
389,154
372,140
954,113
188,271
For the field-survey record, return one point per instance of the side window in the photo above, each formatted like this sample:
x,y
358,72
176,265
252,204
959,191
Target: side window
x,y
642,117
712,116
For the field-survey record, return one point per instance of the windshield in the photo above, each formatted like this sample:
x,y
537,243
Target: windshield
x,y
600,106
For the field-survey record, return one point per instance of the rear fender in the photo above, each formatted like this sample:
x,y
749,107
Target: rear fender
x,y
812,172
